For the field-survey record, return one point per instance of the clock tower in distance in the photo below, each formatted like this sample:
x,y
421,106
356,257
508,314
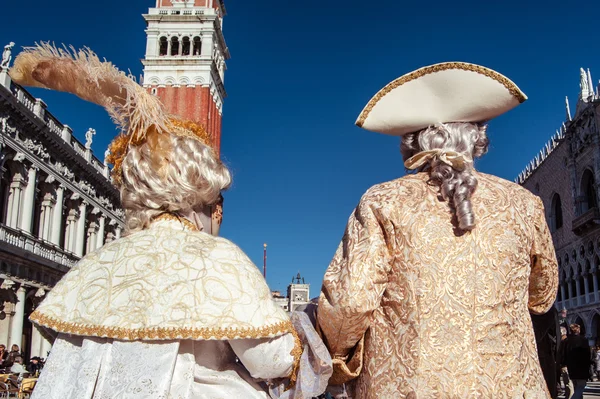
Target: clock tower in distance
x,y
185,60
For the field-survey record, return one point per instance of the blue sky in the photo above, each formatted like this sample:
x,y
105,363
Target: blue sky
x,y
299,75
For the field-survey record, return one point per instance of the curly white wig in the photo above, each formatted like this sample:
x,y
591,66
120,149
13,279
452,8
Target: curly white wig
x,y
457,186
169,174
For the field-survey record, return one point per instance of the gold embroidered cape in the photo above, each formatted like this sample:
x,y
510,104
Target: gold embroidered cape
x,y
415,309
164,283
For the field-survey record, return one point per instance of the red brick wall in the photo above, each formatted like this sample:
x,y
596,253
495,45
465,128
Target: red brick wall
x,y
195,104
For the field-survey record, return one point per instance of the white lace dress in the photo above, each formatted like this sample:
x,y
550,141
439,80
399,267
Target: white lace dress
x,y
100,368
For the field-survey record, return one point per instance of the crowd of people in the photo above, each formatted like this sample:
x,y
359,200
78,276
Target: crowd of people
x,y
13,362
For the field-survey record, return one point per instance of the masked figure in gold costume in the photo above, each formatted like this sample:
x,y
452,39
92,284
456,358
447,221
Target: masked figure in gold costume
x,y
429,293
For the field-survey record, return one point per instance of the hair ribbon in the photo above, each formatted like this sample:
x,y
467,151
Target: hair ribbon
x,y
457,160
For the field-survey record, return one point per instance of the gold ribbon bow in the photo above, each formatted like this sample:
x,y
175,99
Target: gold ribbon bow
x,y
457,160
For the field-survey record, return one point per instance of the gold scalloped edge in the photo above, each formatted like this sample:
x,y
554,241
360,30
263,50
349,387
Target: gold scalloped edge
x,y
506,82
162,333
296,352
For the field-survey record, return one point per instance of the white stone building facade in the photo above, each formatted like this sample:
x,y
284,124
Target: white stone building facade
x,y
566,176
56,205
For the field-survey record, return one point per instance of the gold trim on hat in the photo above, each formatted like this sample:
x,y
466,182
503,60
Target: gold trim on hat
x,y
162,333
510,86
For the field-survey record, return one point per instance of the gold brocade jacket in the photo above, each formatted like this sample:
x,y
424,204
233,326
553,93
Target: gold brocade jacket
x,y
414,308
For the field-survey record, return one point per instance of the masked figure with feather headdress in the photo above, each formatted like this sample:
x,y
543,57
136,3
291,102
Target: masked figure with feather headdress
x,y
170,310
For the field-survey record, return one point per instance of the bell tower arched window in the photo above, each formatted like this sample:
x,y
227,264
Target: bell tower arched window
x,y
174,45
197,46
163,46
185,48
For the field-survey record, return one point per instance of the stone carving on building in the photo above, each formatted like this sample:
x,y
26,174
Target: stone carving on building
x,y
7,56
64,170
36,148
86,188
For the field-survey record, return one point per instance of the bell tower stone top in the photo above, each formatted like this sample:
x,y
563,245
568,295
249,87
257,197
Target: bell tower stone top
x,y
185,60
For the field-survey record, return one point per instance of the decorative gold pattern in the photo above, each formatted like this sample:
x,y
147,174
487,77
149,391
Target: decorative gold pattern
x,y
443,314
185,222
510,86
297,354
160,333
164,283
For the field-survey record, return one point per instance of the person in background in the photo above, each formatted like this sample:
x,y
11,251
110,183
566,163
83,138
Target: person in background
x,y
17,367
3,355
562,321
547,337
14,353
577,357
564,373
596,360
35,365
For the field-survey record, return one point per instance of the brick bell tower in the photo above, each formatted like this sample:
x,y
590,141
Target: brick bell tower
x,y
185,60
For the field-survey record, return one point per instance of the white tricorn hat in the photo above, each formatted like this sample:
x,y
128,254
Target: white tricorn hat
x,y
440,93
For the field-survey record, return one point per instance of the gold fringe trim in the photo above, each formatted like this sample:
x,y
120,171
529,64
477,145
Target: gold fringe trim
x,y
510,86
296,352
161,333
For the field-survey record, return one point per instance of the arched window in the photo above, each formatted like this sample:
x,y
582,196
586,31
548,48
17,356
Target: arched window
x,y
588,192
163,44
556,216
197,46
174,45
185,48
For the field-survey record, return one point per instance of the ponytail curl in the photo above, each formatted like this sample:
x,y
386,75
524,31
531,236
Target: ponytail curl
x,y
456,186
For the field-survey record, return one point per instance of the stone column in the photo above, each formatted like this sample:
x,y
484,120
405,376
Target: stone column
x,y
36,341
169,45
92,238
57,215
100,238
562,293
596,294
571,295
16,327
29,200
578,288
80,239
46,217
71,231
14,201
